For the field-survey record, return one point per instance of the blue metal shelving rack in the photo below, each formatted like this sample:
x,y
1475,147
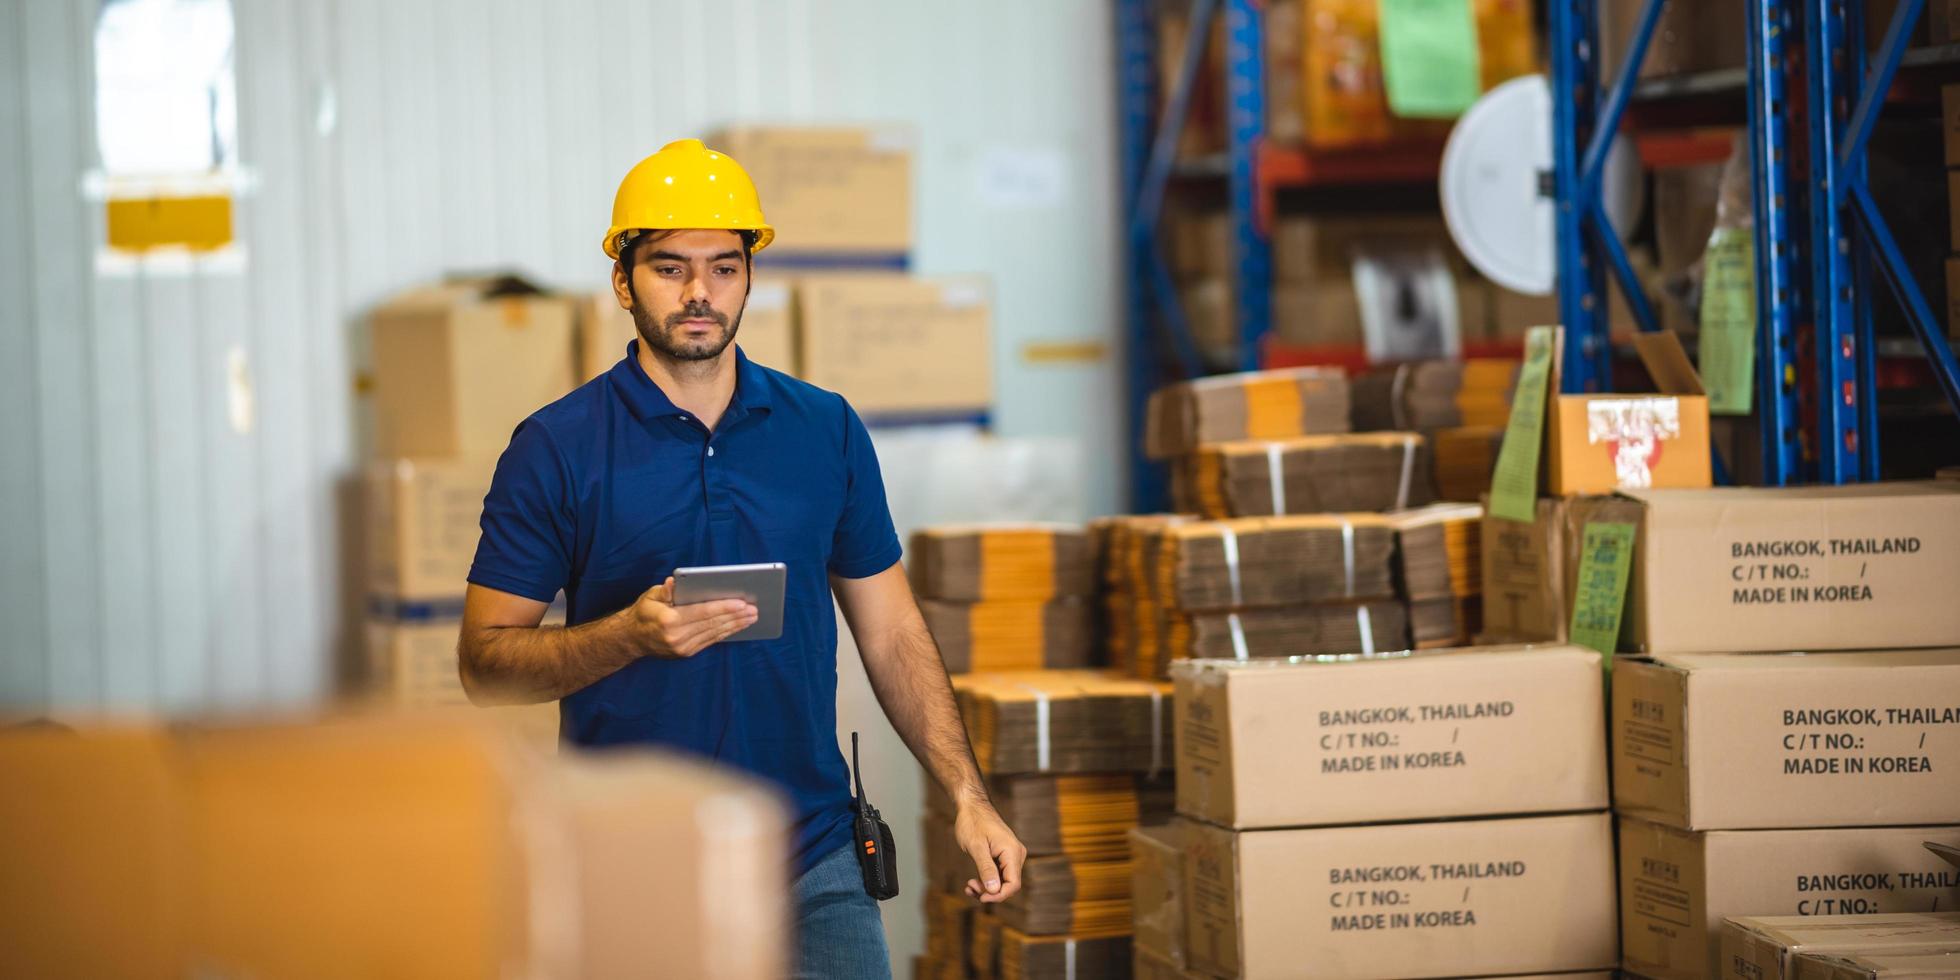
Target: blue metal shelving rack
x,y
1815,251
1160,348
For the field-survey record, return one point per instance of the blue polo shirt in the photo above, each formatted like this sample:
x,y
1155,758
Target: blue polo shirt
x,y
604,492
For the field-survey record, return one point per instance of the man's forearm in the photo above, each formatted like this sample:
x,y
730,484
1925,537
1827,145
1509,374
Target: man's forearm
x,y
910,681
524,665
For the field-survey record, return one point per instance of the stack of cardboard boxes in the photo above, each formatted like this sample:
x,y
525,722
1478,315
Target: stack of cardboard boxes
x,y
1752,781
456,366
1435,814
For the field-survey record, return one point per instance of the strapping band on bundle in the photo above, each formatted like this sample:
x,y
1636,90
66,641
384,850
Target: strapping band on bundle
x,y
1408,471
1068,959
1276,477
1041,744
1239,651
1229,539
1347,553
1366,624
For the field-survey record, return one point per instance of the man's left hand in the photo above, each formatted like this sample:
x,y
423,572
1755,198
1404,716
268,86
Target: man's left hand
x,y
997,854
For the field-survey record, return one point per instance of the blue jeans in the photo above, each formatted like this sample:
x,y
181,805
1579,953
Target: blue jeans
x,y
839,935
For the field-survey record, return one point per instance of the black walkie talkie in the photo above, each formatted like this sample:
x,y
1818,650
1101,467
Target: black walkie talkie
x,y
876,855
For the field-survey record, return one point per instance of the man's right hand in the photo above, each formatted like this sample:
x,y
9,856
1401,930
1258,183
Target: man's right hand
x,y
670,631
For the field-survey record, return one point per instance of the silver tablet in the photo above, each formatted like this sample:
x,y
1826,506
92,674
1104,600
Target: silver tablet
x,y
761,585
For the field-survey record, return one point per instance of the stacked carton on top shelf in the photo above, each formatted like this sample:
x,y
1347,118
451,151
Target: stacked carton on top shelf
x,y
457,366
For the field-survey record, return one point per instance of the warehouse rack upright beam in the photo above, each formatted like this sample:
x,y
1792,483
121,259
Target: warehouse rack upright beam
x,y
1149,156
1835,221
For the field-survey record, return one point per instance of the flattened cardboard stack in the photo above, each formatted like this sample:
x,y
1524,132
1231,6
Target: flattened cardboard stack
x,y
1273,587
1438,572
1425,396
1131,627
1075,761
1007,597
1372,471
1065,721
1295,782
1780,784
1026,957
1254,405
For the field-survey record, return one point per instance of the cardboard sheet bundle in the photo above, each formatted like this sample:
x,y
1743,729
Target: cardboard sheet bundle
x,y
983,946
1464,460
1085,817
1437,551
974,563
1012,634
1444,621
1424,396
1221,565
1372,471
1254,405
1130,614
1025,957
949,930
1007,597
1065,721
1061,896
1288,631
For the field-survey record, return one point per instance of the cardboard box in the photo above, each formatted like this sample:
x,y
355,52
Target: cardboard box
x,y
1732,741
1157,892
1319,248
456,366
381,846
1677,886
1597,443
1325,313
1465,897
1511,314
1855,567
91,885
1524,575
1876,966
423,522
841,191
898,344
766,334
1765,947
1437,734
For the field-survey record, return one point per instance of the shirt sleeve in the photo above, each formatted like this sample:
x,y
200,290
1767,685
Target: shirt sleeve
x,y
865,543
528,525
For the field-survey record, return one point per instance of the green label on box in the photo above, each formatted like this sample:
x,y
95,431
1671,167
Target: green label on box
x,y
1514,482
1728,320
1604,555
1429,57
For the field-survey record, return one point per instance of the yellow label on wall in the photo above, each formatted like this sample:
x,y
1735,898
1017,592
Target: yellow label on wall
x,y
201,223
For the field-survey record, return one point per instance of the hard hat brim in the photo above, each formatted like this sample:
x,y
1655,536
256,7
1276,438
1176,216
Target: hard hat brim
x,y
764,234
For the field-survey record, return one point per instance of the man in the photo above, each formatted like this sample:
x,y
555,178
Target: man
x,y
686,453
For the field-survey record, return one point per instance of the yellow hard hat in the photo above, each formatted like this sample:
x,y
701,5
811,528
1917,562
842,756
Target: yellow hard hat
x,y
686,185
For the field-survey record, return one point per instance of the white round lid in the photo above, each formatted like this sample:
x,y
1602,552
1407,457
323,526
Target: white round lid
x,y
1492,168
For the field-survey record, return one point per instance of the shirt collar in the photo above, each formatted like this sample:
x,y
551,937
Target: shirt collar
x,y
646,400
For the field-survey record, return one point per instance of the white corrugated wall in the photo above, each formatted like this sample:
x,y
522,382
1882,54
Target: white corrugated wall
x,y
154,555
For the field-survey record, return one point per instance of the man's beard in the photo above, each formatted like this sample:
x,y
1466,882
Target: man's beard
x,y
668,337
